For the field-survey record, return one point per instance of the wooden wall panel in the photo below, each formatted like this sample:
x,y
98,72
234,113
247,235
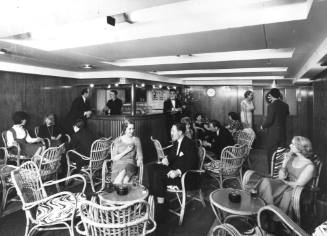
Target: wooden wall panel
x,y
228,98
34,94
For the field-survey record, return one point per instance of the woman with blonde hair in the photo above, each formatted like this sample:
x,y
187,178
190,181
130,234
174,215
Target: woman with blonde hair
x,y
126,154
297,170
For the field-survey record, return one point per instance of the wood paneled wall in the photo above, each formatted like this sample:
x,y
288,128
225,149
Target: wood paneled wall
x,y
228,99
34,94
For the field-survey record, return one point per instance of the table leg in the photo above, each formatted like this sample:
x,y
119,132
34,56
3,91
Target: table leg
x,y
219,214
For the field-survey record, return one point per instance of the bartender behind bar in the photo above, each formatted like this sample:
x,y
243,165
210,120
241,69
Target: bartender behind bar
x,y
114,105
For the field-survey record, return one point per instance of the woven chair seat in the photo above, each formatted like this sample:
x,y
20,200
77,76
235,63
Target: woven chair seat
x,y
217,167
58,209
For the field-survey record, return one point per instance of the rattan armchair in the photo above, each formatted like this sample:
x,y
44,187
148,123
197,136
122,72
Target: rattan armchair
x,y
100,151
49,163
184,195
44,212
246,138
229,166
131,219
9,154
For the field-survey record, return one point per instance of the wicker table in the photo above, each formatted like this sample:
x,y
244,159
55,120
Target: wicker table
x,y
220,203
135,194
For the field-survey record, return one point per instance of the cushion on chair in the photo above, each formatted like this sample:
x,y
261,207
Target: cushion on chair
x,y
278,161
58,209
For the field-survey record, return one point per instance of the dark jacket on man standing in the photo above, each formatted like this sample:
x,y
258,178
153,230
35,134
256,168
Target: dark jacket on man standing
x,y
171,116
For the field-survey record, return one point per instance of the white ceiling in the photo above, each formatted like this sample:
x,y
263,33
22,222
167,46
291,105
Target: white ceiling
x,y
307,36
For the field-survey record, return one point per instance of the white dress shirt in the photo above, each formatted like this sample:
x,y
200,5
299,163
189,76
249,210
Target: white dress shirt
x,y
20,134
173,102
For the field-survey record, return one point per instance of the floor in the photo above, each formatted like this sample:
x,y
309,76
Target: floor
x,y
198,220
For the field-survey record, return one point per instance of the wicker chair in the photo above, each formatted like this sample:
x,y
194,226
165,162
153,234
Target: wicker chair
x,y
10,156
247,138
131,219
100,150
229,166
49,163
290,225
44,212
276,164
159,149
7,185
185,196
225,230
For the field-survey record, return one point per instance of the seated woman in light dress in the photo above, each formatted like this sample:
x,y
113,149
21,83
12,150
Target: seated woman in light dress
x,y
19,135
126,155
297,170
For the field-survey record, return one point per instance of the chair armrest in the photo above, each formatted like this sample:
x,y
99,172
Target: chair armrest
x,y
187,172
33,204
209,157
169,146
68,138
78,226
296,201
230,229
104,172
284,218
153,228
51,182
5,155
78,154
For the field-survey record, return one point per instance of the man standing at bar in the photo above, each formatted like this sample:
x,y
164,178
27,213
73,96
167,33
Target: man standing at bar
x,y
80,109
172,109
275,123
114,105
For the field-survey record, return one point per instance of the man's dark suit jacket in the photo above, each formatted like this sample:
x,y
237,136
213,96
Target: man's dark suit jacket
x,y
81,142
219,142
76,112
172,117
115,106
276,123
186,158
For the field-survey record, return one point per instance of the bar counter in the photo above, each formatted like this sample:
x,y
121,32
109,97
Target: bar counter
x,y
146,125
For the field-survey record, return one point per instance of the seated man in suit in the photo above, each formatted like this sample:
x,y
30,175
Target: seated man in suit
x,y
81,142
182,157
220,139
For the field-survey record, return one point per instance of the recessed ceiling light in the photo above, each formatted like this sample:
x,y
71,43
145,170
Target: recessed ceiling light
x,y
3,51
221,71
207,57
88,66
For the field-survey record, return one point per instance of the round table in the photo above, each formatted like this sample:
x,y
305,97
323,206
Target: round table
x,y
248,205
135,194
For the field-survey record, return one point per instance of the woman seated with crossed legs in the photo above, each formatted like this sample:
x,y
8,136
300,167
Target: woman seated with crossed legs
x,y
126,155
297,170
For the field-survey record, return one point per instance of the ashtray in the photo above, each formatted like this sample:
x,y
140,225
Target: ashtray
x,y
121,189
234,196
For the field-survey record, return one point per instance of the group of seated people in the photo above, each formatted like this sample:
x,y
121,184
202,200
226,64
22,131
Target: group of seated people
x,y
297,168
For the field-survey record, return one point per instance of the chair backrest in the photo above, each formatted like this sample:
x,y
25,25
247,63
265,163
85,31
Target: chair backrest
x,y
4,138
232,158
318,167
247,138
28,184
100,150
202,155
128,219
158,147
277,161
50,162
36,131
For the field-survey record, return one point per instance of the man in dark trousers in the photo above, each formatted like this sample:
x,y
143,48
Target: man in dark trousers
x,y
81,142
182,157
172,109
219,139
114,105
80,109
275,123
